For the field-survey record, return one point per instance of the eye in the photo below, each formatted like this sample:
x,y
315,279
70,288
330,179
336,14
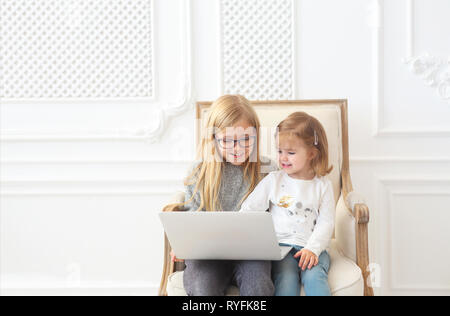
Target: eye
x,y
291,153
279,151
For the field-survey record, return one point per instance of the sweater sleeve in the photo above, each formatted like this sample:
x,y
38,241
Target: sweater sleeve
x,y
195,203
323,231
259,199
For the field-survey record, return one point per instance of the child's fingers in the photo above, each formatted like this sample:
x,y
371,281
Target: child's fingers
x,y
317,261
174,258
298,254
305,263
302,259
308,264
312,263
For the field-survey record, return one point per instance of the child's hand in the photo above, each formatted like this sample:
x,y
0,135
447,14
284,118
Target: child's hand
x,y
174,258
307,259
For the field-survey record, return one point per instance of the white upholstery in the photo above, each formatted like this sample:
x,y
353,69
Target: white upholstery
x,y
344,277
344,230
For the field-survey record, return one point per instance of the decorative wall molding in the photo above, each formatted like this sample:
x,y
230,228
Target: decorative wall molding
x,y
421,66
164,111
186,163
88,193
411,285
65,187
258,45
433,70
73,49
375,21
385,209
96,161
386,159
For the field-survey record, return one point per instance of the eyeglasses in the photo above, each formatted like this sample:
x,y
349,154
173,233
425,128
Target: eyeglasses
x,y
229,143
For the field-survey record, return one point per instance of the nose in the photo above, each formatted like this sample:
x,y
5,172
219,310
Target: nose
x,y
283,157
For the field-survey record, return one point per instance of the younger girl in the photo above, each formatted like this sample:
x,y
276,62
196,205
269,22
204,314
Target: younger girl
x,y
301,201
230,169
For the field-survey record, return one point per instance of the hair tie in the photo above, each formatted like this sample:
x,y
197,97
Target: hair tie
x,y
316,139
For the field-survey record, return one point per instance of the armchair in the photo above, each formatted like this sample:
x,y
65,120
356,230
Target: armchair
x,y
349,251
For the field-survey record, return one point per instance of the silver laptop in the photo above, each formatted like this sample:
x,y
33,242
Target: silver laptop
x,y
223,235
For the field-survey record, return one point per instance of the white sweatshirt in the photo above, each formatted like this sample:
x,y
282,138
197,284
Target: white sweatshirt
x,y
302,210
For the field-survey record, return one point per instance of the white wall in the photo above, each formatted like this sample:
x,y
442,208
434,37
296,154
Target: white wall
x,y
97,122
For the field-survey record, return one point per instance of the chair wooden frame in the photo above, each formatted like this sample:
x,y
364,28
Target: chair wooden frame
x,y
360,211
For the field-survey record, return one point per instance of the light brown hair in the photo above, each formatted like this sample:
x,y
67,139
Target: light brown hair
x,y
301,125
225,112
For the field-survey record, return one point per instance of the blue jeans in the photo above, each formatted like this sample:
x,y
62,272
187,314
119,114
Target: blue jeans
x,y
287,275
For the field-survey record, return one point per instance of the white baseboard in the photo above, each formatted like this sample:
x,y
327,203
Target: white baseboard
x,y
119,290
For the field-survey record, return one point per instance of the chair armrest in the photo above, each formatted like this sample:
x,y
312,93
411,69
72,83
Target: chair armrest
x,y
176,199
350,212
168,266
352,218
358,206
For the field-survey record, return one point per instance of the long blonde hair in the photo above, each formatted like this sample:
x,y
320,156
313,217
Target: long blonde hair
x,y
306,127
225,112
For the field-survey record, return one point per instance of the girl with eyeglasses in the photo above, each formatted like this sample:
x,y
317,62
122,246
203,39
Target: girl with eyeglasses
x,y
229,170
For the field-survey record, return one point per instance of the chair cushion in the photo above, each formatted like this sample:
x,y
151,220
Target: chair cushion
x,y
344,277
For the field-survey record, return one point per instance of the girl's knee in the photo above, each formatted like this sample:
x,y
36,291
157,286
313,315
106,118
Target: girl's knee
x,y
262,286
202,285
286,275
254,278
315,282
316,273
207,282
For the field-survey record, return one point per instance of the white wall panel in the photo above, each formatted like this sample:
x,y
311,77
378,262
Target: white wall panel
x,y
419,222
74,49
404,91
73,242
257,48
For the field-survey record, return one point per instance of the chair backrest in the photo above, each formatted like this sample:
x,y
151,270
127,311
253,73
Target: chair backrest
x,y
331,113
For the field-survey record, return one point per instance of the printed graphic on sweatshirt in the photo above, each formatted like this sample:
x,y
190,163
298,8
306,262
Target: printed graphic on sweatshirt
x,y
285,201
307,217
303,218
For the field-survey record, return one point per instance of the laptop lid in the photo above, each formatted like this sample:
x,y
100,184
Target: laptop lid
x,y
222,235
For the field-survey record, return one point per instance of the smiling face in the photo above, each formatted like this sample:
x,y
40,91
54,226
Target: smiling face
x,y
236,143
295,157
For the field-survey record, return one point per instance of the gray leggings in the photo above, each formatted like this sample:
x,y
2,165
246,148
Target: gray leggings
x,y
212,277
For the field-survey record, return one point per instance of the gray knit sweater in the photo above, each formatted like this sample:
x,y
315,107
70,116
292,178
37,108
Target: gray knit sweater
x,y
233,187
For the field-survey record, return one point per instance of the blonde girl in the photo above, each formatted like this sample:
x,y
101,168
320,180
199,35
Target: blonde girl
x,y
301,201
229,170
